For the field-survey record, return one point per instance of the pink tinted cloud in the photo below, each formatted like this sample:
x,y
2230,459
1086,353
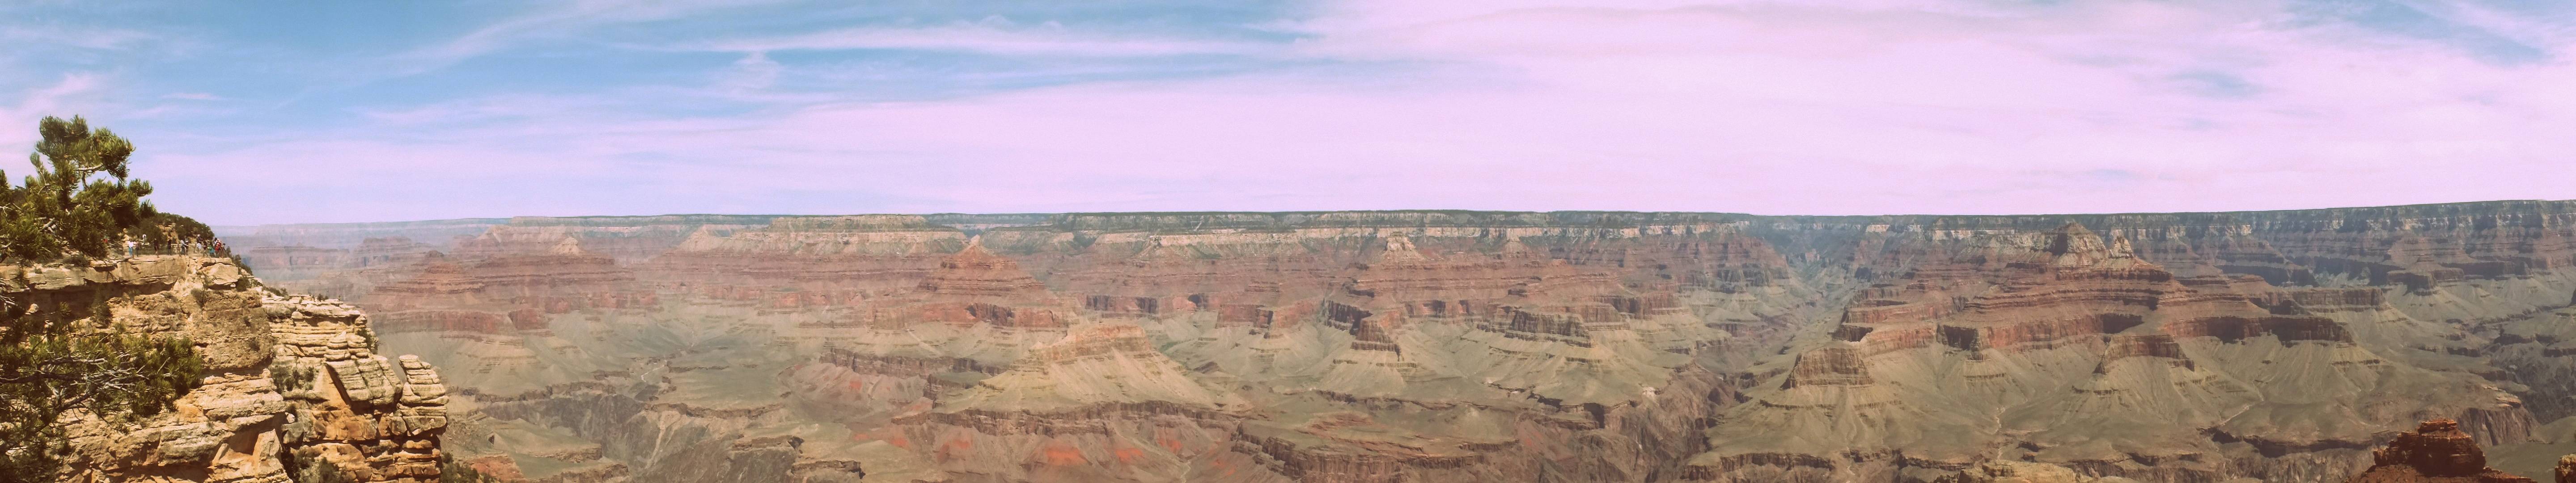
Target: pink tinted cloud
x,y
1895,107
71,91
1776,109
1043,40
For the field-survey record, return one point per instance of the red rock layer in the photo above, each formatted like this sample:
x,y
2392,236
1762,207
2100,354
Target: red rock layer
x,y
977,275
2437,452
554,282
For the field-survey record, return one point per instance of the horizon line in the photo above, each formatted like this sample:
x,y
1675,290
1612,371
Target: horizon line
x,y
509,219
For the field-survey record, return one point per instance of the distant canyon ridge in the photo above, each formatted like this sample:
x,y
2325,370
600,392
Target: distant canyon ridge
x,y
1464,346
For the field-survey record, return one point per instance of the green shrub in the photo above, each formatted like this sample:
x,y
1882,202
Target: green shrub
x,y
122,377
452,471
291,377
55,361
311,468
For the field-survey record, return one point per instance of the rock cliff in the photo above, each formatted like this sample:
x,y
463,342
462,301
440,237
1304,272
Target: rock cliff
x,y
293,387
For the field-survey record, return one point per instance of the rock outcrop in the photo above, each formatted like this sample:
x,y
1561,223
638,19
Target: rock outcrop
x,y
2436,452
293,387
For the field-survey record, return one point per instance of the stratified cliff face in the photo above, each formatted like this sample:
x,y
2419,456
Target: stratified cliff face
x,y
292,385
1481,346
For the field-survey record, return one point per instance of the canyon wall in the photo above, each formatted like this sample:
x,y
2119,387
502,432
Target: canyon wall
x,y
1428,346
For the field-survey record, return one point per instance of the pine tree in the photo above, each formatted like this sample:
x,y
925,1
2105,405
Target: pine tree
x,y
71,355
66,207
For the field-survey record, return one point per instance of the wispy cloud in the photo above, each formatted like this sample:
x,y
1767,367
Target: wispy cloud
x,y
98,38
17,122
555,20
2480,30
1046,40
755,71
1959,106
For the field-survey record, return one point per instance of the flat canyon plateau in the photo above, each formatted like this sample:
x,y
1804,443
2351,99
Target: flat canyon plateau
x,y
1464,346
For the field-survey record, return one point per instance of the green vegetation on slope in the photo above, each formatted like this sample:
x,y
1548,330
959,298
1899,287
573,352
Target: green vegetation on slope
x,y
53,360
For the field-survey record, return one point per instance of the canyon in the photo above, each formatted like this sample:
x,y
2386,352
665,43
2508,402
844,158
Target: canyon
x,y
1439,346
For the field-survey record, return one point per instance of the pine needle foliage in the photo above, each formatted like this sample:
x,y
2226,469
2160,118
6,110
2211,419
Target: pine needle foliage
x,y
67,207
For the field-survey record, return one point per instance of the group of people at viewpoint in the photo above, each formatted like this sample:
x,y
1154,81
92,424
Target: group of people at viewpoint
x,y
134,245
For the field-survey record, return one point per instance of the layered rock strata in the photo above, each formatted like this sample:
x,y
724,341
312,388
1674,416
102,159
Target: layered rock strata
x,y
292,390
1485,346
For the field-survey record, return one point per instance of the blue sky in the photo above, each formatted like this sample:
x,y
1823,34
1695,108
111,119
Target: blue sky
x,y
369,111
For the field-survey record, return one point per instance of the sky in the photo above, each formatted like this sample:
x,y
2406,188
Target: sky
x,y
298,112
